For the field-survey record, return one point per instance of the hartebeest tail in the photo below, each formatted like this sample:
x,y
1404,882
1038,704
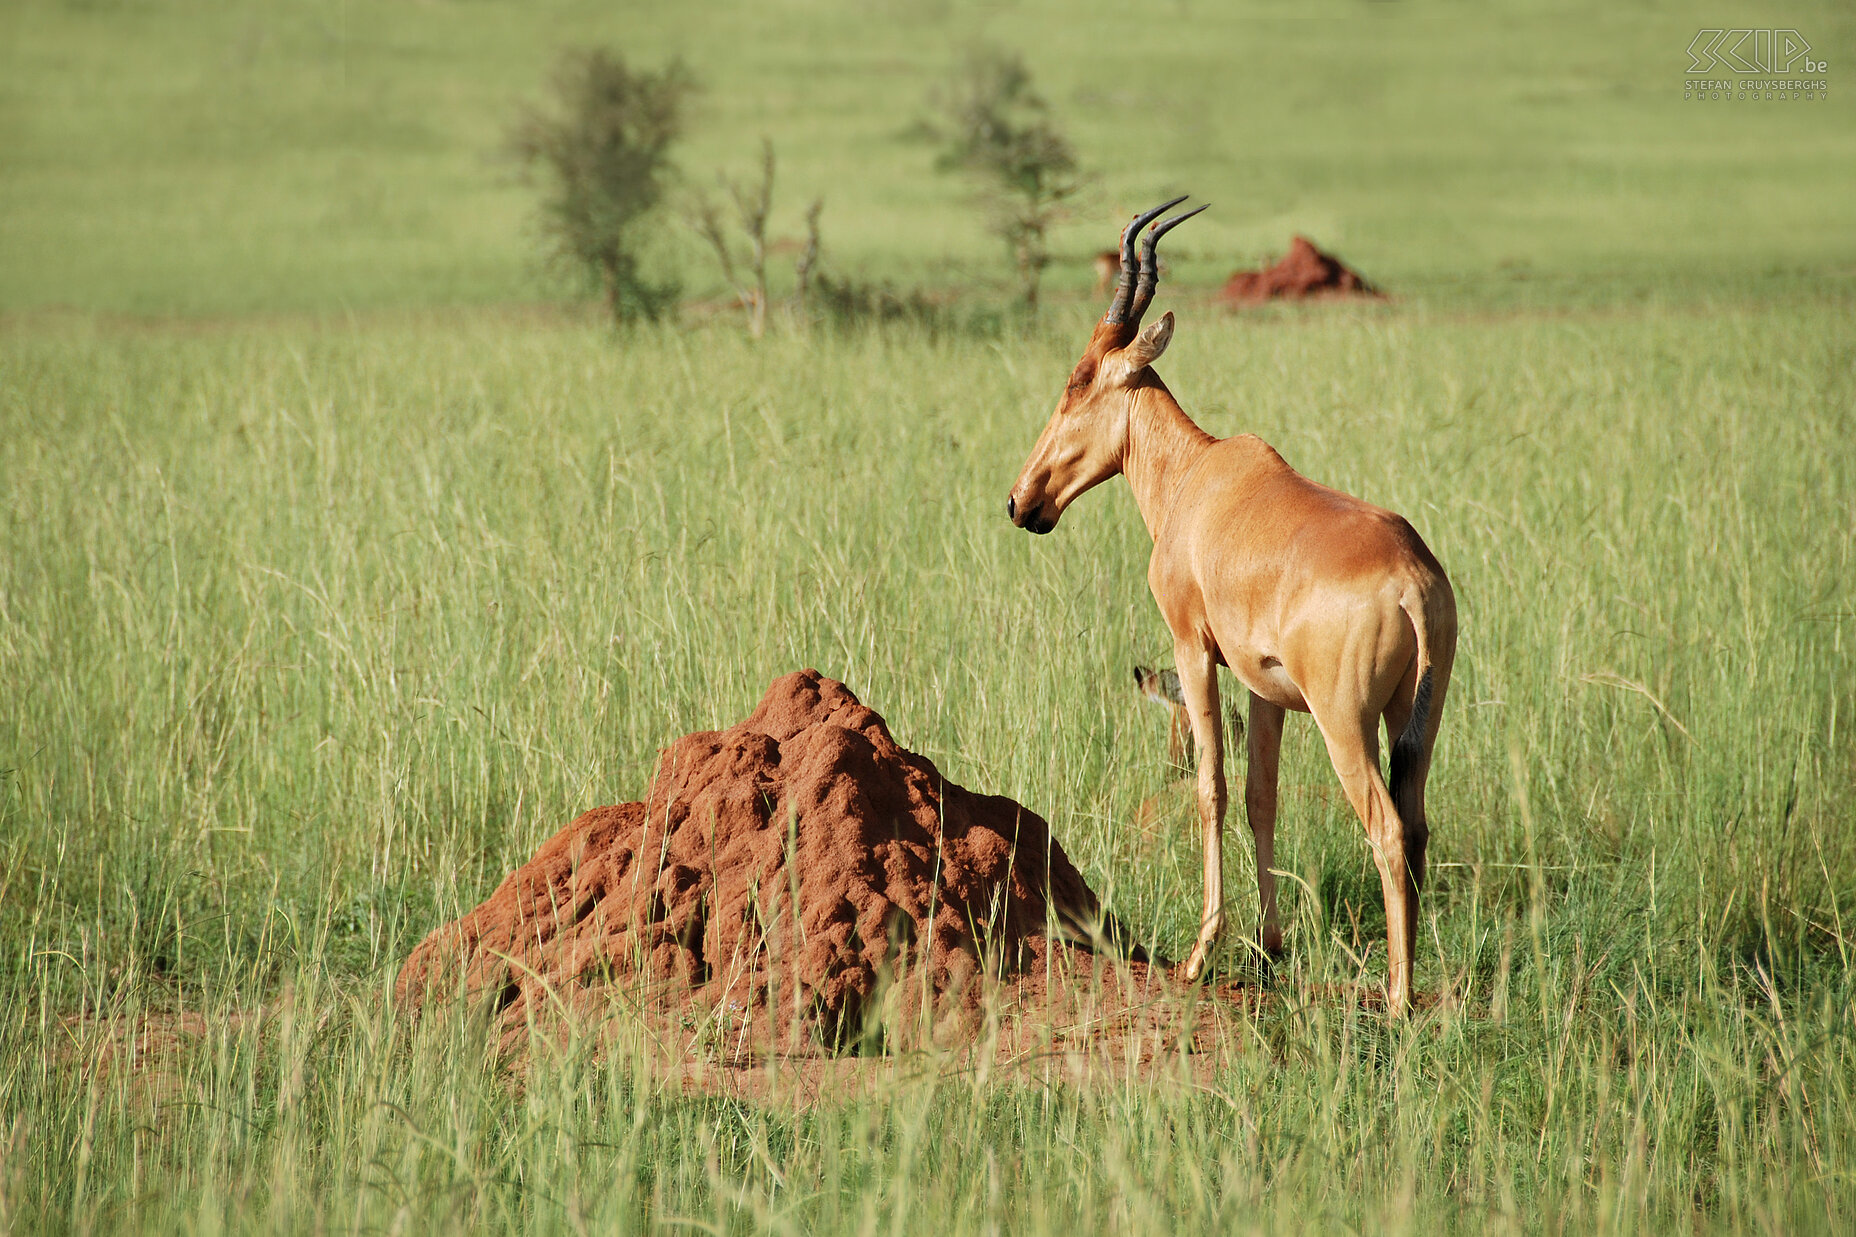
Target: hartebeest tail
x,y
1410,754
1315,600
1407,754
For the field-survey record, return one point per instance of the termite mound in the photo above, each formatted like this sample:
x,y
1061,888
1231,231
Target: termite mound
x,y
800,863
1304,272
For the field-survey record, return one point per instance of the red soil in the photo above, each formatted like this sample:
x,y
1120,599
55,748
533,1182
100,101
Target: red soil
x,y
1302,273
799,863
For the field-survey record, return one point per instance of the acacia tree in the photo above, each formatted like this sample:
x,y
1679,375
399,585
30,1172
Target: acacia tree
x,y
602,151
994,126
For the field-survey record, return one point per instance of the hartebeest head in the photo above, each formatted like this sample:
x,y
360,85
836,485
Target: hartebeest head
x,y
1087,437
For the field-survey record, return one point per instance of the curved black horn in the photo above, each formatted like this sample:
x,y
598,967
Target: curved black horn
x,y
1130,272
1150,265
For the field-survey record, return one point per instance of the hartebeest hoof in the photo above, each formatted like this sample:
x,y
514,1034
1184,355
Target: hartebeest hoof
x,y
1195,965
1269,953
1198,962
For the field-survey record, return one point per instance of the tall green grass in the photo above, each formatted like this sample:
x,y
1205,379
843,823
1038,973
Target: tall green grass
x,y
309,631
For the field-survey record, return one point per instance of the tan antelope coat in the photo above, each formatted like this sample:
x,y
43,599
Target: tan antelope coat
x,y
1317,602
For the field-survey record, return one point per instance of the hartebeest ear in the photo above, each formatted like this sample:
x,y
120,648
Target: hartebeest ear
x,y
1150,343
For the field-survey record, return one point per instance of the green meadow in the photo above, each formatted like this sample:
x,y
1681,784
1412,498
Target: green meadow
x,y
345,556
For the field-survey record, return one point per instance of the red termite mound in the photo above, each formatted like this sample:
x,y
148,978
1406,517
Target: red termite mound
x,y
797,858
1303,272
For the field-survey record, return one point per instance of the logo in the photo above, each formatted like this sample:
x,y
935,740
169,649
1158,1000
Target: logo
x,y
1751,51
1766,66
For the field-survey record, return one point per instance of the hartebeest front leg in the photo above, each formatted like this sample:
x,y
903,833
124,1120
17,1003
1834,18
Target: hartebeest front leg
x,y
1198,681
1263,755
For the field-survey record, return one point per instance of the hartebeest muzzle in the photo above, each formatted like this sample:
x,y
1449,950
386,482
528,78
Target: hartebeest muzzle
x,y
1032,519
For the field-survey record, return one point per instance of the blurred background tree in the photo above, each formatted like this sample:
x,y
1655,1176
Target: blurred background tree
x,y
994,126
602,153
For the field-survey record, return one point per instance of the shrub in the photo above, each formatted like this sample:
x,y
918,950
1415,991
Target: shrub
x,y
850,303
603,153
993,125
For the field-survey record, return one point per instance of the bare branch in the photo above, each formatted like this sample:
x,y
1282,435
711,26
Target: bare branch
x,y
807,260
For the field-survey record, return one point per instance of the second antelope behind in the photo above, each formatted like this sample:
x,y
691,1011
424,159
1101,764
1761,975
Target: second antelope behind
x,y
1317,601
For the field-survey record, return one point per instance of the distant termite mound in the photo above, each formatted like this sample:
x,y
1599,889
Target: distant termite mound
x,y
793,863
1304,272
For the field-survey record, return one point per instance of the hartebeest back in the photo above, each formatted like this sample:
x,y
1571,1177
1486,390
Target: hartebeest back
x,y
1315,600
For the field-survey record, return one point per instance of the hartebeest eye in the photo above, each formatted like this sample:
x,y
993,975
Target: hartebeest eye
x,y
1083,375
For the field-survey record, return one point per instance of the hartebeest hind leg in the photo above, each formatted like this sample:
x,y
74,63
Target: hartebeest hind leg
x,y
1263,755
1411,754
1421,692
1198,681
1353,746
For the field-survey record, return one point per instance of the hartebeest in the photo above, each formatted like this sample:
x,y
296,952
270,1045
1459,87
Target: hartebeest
x,y
1162,687
1316,601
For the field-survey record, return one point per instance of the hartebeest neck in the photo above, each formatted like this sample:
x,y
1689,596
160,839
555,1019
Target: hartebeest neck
x,y
1163,443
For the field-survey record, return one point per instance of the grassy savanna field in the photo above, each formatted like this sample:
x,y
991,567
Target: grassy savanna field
x,y
340,565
